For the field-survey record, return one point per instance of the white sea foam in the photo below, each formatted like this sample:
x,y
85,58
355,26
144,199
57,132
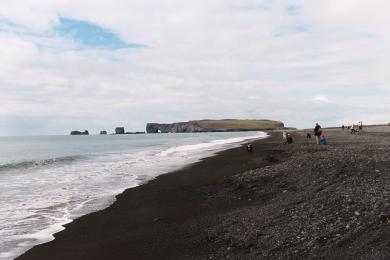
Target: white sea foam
x,y
212,144
37,201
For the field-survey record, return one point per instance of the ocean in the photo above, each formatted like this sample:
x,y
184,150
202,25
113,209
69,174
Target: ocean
x,y
47,181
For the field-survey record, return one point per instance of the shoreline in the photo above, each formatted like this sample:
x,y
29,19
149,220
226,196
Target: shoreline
x,y
280,202
120,198
159,161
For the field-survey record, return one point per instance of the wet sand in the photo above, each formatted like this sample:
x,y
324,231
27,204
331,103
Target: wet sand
x,y
299,201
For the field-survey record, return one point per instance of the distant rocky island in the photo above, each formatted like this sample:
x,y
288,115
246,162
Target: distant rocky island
x,y
224,125
118,131
121,131
79,132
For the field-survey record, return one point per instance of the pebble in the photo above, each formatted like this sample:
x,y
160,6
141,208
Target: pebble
x,y
357,213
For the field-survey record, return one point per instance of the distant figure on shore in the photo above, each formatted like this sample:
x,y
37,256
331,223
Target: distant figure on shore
x,y
308,136
249,148
284,134
354,129
317,133
323,140
289,139
343,127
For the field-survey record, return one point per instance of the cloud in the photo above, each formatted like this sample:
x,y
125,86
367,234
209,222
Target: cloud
x,y
206,59
324,99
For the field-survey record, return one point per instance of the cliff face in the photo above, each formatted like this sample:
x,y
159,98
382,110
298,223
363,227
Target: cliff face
x,y
184,127
120,130
213,126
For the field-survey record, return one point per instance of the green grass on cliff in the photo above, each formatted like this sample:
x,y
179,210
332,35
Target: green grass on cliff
x,y
236,124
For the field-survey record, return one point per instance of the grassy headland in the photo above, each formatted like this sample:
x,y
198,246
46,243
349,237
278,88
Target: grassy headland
x,y
207,125
237,124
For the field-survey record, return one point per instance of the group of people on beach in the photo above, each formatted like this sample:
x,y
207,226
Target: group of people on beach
x,y
320,137
354,128
287,137
318,133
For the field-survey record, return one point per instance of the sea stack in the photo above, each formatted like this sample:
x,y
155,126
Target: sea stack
x,y
79,132
103,132
120,130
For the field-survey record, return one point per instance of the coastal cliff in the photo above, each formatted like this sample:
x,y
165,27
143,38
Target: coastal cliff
x,y
225,125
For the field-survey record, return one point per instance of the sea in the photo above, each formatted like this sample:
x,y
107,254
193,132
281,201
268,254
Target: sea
x,y
48,181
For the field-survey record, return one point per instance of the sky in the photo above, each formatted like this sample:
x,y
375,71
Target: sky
x,y
93,64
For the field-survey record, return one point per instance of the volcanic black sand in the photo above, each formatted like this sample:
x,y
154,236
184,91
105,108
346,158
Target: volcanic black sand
x,y
298,201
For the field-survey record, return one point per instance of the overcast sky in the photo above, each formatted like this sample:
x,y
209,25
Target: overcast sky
x,y
93,64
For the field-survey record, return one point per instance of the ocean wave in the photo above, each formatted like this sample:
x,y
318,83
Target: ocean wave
x,y
40,163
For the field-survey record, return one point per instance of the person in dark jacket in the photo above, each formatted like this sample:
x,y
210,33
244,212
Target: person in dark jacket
x,y
289,139
317,133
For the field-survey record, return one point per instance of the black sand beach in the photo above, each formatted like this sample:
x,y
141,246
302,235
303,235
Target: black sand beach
x,y
299,201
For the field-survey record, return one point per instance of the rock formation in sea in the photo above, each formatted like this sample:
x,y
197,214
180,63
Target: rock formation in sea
x,y
135,133
120,130
75,132
103,132
225,125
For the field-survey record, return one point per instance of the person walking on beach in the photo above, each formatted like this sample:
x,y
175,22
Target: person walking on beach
x,y
289,139
284,136
317,133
